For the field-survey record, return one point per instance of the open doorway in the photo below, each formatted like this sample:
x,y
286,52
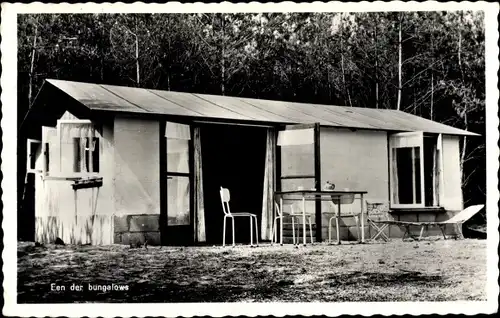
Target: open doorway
x,y
234,158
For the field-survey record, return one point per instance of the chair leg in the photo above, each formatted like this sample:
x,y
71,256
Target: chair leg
x,y
338,229
407,232
460,234
382,234
224,232
330,231
377,228
311,230
442,227
380,231
234,241
256,231
273,232
356,220
251,231
281,230
422,229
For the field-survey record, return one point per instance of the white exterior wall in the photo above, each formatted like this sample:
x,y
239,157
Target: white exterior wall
x,y
77,217
356,160
137,175
452,189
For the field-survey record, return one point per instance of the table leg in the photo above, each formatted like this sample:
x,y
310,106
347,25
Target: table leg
x,y
362,219
337,221
281,221
304,219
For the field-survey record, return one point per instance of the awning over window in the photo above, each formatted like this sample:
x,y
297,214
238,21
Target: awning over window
x,y
296,137
177,131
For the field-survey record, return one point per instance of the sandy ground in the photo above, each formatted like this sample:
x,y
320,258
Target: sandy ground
x,y
432,270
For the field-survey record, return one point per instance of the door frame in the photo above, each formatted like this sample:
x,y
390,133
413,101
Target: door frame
x,y
165,238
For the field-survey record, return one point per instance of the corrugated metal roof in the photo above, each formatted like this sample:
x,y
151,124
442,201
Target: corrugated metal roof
x,y
139,100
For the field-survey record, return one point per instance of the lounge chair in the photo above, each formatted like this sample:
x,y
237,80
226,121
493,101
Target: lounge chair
x,y
458,219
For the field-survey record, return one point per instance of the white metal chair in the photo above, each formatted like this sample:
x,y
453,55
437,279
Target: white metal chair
x,y
337,203
298,215
225,198
281,214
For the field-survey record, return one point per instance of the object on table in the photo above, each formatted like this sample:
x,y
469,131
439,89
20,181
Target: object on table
x,y
329,186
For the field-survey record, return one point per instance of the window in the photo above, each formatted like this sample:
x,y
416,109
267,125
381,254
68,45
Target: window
x,y
79,147
34,150
415,169
296,146
46,154
86,154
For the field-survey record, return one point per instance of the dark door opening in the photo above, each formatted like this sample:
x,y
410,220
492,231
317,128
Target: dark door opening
x,y
233,157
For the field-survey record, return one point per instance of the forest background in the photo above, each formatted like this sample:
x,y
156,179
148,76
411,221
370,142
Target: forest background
x,y
431,64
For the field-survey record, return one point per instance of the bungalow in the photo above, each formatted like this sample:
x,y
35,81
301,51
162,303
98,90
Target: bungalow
x,y
119,164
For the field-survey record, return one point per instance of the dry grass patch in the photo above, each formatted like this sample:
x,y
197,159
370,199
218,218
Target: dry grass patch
x,y
394,271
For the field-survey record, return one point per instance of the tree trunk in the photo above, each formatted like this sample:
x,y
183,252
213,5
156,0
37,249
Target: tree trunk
x,y
464,150
223,60
32,67
400,61
432,95
102,67
346,90
466,124
432,75
460,49
168,80
137,56
376,60
169,68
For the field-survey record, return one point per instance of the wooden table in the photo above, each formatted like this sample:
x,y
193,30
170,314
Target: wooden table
x,y
324,195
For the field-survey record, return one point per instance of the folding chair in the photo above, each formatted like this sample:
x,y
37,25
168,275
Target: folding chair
x,y
379,226
225,198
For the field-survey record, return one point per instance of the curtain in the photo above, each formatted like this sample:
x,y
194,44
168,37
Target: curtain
x,y
198,186
269,182
72,144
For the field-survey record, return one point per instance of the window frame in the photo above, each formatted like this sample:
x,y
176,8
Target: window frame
x,y
91,150
438,167
70,172
169,173
410,139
